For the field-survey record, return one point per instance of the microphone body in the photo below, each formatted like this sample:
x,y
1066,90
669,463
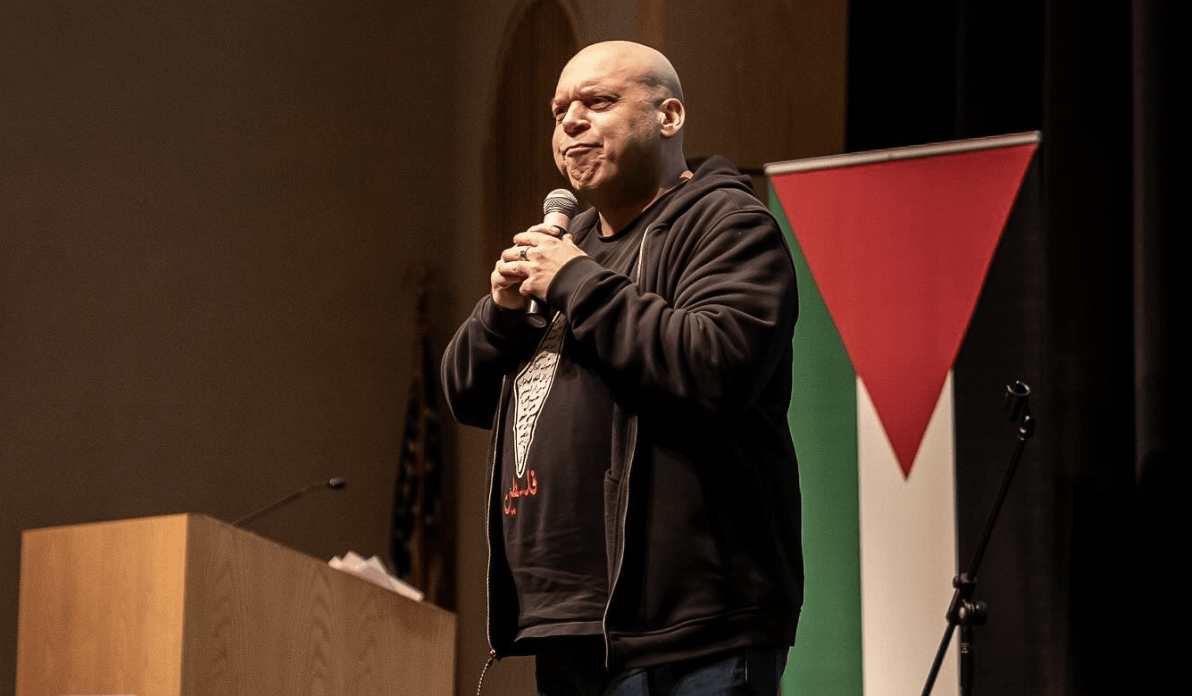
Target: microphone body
x,y
557,210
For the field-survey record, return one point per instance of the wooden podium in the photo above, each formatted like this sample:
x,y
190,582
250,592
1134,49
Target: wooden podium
x,y
186,605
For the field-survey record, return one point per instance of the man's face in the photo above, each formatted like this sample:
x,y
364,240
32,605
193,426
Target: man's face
x,y
606,139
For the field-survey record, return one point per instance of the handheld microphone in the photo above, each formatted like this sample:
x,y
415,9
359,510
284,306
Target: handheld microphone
x,y
557,210
334,484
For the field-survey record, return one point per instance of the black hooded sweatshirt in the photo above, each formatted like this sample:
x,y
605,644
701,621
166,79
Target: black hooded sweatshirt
x,y
701,498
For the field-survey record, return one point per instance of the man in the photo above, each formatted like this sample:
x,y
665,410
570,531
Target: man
x,y
644,505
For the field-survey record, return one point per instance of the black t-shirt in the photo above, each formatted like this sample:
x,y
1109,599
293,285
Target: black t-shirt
x,y
558,428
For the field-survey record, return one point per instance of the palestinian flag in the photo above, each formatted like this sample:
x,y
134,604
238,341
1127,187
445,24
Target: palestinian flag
x,y
892,249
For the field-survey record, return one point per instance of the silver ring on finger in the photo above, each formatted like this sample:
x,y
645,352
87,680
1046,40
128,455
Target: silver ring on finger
x,y
522,253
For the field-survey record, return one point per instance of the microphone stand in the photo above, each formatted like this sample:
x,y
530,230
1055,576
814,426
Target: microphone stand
x,y
963,611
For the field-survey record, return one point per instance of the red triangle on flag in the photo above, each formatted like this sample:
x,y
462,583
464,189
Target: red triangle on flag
x,y
899,249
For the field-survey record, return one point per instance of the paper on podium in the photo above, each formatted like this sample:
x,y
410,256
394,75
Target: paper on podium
x,y
374,571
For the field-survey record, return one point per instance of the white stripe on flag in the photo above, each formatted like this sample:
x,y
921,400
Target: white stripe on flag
x,y
908,553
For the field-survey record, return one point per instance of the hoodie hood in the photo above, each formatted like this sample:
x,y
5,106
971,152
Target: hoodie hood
x,y
714,173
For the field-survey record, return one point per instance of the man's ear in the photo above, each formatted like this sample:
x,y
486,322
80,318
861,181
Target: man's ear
x,y
671,116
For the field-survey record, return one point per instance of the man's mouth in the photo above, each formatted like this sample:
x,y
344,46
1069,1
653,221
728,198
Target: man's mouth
x,y
578,149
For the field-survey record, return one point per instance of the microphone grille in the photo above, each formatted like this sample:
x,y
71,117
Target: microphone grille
x,y
560,201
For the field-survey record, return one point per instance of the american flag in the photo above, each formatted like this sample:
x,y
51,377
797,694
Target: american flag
x,y
420,541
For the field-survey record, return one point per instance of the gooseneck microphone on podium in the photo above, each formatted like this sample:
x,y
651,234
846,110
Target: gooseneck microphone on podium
x,y
557,210
334,484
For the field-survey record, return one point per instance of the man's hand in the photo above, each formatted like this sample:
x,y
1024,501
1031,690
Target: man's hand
x,y
528,267
506,280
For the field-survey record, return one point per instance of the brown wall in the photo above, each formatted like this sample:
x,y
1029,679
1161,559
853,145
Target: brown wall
x,y
764,81
207,213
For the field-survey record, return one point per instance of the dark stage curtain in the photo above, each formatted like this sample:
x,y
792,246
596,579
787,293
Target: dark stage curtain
x,y
1075,305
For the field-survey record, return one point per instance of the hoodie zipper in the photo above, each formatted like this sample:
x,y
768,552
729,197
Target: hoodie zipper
x,y
631,446
488,542
488,539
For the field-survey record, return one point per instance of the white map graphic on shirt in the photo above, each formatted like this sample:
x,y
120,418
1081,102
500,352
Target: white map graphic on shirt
x,y
531,387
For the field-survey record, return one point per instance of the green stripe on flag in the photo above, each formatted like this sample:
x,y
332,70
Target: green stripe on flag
x,y
826,659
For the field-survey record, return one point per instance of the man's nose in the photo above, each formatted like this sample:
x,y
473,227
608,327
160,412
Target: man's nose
x,y
575,118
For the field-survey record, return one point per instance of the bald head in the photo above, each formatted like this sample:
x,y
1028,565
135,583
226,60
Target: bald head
x,y
649,66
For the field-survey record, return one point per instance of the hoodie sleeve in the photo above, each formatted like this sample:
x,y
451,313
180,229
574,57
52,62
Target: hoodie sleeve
x,y
711,314
489,344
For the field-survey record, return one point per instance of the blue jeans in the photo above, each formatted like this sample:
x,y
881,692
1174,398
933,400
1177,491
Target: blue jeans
x,y
742,672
